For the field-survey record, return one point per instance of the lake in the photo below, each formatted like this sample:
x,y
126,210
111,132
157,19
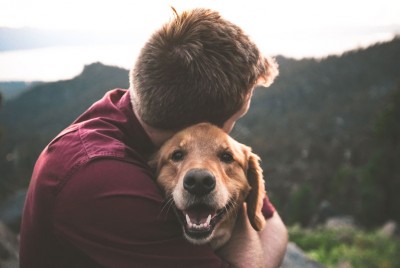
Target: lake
x,y
57,63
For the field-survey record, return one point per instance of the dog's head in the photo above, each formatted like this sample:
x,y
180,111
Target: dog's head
x,y
208,175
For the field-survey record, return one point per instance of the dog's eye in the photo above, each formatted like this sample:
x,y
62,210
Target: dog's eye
x,y
177,156
226,157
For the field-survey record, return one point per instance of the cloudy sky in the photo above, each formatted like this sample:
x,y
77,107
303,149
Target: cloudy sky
x,y
306,28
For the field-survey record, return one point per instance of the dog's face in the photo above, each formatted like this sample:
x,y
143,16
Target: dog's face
x,y
208,175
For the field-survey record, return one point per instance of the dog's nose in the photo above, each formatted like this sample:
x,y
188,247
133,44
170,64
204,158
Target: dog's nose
x,y
199,182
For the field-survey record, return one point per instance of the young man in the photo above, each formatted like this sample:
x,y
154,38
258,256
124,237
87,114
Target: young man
x,y
92,200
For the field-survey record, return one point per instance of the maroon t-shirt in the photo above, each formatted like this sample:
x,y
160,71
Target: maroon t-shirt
x,y
93,202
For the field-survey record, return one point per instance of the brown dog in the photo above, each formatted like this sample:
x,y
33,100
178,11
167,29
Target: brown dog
x,y
207,176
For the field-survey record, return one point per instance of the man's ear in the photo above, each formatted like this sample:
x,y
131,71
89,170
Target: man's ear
x,y
257,193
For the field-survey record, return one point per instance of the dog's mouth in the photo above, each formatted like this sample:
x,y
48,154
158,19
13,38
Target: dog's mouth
x,y
199,221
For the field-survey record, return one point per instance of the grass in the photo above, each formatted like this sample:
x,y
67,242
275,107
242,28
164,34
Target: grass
x,y
348,247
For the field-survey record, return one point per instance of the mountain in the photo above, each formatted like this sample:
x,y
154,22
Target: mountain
x,y
11,90
314,129
326,131
30,121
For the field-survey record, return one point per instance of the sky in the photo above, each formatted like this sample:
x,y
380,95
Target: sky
x,y
306,28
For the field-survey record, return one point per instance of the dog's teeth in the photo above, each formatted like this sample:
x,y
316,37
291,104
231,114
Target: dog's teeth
x,y
208,220
188,219
191,224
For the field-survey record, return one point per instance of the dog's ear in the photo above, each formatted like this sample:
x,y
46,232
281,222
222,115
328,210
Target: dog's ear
x,y
257,193
153,161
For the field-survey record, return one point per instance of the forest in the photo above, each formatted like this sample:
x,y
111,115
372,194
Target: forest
x,y
327,130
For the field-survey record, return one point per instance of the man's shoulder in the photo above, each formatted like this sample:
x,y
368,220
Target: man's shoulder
x,y
84,141
116,176
108,129
80,148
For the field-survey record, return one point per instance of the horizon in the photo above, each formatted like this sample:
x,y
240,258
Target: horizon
x,y
74,71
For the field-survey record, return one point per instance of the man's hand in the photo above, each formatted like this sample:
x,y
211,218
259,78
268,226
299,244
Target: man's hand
x,y
248,248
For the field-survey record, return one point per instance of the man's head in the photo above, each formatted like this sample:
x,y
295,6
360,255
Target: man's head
x,y
196,68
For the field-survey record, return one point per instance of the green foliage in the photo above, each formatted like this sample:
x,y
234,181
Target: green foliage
x,y
332,247
344,187
301,206
372,186
387,125
371,209
314,126
382,172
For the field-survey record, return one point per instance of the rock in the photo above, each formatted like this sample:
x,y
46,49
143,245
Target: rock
x,y
340,222
8,248
389,229
296,258
11,210
344,265
324,212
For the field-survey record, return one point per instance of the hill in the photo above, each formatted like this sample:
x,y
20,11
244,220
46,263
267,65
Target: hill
x,y
315,131
320,130
30,121
11,90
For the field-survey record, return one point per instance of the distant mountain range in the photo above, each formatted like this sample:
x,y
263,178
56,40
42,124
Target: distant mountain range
x,y
11,90
314,129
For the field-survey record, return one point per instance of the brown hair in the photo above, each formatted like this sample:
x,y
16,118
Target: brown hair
x,y
196,68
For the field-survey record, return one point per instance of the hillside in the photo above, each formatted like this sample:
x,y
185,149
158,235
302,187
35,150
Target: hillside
x,y
315,130
11,90
30,121
316,123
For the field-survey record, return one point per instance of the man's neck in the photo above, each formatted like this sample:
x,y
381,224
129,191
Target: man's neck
x,y
157,136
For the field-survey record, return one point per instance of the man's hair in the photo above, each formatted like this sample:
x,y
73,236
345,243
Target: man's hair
x,y
198,67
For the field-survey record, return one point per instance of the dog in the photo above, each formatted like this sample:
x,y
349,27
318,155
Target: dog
x,y
207,177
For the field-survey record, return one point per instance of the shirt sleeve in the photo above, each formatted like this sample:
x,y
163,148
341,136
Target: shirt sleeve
x,y
268,209
113,212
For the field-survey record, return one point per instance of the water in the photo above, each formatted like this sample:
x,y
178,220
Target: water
x,y
58,63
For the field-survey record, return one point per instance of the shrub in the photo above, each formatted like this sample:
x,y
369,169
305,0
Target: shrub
x,y
358,248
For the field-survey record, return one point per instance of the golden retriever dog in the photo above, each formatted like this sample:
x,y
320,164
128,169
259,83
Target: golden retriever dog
x,y
207,177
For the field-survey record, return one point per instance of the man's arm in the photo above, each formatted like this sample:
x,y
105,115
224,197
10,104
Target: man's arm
x,y
274,239
248,248
113,213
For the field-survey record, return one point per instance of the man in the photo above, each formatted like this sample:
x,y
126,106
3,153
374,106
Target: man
x,y
92,200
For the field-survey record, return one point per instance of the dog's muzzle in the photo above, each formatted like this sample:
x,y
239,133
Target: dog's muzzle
x,y
201,216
